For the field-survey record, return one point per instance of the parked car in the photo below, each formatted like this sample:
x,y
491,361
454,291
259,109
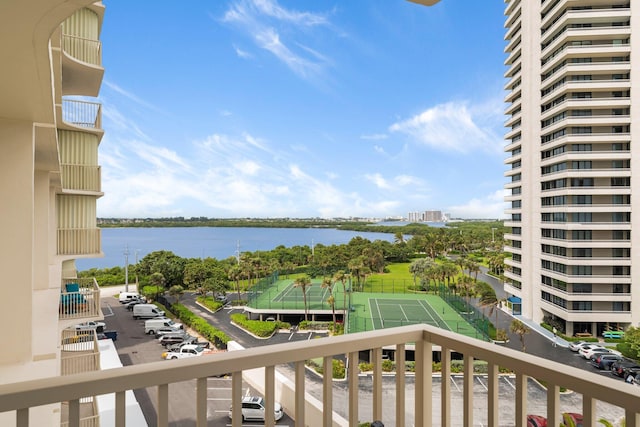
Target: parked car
x,y
568,419
151,326
618,367
604,360
613,334
577,345
173,338
589,350
134,302
167,330
125,297
146,311
189,340
536,421
253,408
90,325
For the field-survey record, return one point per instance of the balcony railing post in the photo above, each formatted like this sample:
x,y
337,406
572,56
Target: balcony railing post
x,y
553,404
352,370
163,405
22,417
468,390
236,399
201,402
445,387
327,391
377,383
269,391
424,367
521,399
492,394
121,411
400,385
300,393
588,410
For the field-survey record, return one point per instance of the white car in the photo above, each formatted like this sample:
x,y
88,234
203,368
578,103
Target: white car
x,y
253,408
87,326
590,350
575,345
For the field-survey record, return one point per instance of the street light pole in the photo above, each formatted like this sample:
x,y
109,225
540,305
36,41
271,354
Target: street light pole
x,y
126,268
137,250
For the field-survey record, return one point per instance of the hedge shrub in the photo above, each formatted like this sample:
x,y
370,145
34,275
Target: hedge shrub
x,y
201,326
256,327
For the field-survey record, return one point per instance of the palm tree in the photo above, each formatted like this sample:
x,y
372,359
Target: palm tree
x,y
341,277
332,302
176,291
235,274
474,268
398,237
303,282
490,299
517,327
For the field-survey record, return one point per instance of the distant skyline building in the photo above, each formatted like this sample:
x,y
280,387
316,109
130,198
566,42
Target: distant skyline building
x,y
573,73
426,216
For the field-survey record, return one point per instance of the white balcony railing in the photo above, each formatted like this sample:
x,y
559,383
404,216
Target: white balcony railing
x,y
81,301
79,241
594,388
85,50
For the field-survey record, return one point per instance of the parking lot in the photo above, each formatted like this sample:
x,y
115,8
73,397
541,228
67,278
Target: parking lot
x,y
135,347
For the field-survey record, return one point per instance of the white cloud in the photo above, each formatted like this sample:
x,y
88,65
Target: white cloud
x,y
378,180
455,126
242,53
491,206
264,21
375,136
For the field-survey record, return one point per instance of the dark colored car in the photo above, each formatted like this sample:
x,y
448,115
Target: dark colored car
x,y
189,340
174,338
604,360
568,419
618,367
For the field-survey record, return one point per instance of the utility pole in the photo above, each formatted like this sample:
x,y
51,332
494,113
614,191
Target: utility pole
x,y
137,289
126,268
493,234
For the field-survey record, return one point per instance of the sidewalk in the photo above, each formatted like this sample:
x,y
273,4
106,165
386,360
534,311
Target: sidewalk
x,y
535,327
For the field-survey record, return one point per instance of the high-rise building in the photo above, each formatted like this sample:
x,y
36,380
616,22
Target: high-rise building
x,y
571,74
49,135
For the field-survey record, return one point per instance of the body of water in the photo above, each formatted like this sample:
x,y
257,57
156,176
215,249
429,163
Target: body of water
x,y
214,242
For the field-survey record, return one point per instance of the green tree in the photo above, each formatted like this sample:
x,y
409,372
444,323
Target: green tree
x,y
340,276
303,282
176,291
490,299
157,280
167,263
520,329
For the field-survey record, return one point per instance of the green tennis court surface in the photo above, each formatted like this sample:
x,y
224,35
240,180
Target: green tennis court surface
x,y
367,311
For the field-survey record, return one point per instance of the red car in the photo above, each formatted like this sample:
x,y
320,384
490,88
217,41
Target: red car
x,y
569,419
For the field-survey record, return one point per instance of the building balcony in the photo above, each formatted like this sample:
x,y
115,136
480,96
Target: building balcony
x,y
79,352
79,241
82,66
423,339
81,178
589,316
82,114
79,301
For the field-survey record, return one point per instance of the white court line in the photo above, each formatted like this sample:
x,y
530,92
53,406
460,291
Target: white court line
x,y
379,313
427,311
403,313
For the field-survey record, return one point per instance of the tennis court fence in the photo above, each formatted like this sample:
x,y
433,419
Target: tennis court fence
x,y
471,314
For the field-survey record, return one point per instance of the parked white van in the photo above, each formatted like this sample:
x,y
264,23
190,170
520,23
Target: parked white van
x,y
151,326
125,297
146,311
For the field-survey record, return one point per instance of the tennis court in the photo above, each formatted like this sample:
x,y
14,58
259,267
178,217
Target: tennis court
x,y
389,313
315,292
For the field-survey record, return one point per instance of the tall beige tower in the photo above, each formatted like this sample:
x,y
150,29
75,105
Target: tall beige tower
x,y
571,69
50,130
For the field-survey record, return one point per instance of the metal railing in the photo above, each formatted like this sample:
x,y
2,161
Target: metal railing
x,y
20,397
80,304
85,50
82,113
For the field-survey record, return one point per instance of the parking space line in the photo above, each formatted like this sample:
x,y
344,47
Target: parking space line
x,y
506,379
482,384
454,383
219,398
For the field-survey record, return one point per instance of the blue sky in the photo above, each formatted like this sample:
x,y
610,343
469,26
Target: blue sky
x,y
302,108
